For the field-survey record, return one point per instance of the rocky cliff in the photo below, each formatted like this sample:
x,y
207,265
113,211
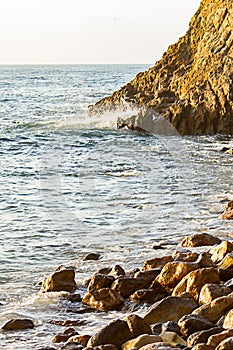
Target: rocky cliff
x,y
192,85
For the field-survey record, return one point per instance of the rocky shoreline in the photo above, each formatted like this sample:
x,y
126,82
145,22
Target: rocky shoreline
x,y
191,87
187,300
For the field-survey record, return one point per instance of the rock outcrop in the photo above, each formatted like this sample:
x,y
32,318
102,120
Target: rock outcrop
x,y
190,89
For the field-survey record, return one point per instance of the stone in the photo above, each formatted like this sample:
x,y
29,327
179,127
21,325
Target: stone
x,y
71,346
160,346
190,324
226,344
225,275
228,321
214,310
127,285
199,240
137,325
92,256
202,336
116,333
220,251
185,256
170,326
149,295
227,215
189,90
173,272
16,324
203,346
204,260
169,309
99,281
195,280
62,280
156,263
81,339
211,291
147,275
68,323
104,299
73,297
64,336
227,262
172,338
117,271
140,341
216,339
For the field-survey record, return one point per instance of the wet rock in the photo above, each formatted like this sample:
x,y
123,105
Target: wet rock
x,y
63,280
202,336
45,348
140,341
195,280
211,291
68,323
190,324
199,240
220,251
214,310
16,324
127,285
185,256
102,347
99,281
203,347
173,272
147,275
117,271
227,215
228,321
225,275
149,295
169,309
227,262
157,328
216,339
156,263
64,336
116,333
81,339
92,256
72,346
104,299
204,260
74,297
160,346
226,344
137,325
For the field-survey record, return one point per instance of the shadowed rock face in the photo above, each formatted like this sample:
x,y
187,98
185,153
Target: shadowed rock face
x,y
192,85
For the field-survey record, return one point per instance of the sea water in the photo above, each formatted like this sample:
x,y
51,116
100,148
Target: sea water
x,y
71,185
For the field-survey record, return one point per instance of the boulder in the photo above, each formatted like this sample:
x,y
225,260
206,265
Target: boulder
x,y
80,339
92,256
127,285
64,336
211,291
137,325
104,299
156,263
169,309
216,339
226,344
185,256
99,281
225,275
140,341
62,280
203,346
147,275
199,240
170,326
220,251
228,321
160,346
116,333
149,295
227,262
195,280
172,338
214,310
202,336
16,324
190,324
117,271
173,272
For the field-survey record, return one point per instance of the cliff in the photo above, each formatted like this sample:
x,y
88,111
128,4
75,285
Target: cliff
x,y
192,85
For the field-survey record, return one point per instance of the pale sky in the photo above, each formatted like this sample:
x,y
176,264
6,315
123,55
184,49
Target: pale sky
x,y
90,31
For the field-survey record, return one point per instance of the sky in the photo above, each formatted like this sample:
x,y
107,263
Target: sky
x,y
90,31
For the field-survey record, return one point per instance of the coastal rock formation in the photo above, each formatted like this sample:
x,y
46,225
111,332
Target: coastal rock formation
x,y
191,87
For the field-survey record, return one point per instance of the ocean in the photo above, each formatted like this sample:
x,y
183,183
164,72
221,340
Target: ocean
x,y
71,184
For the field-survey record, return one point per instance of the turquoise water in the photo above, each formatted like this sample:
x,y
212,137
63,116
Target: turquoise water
x,y
71,184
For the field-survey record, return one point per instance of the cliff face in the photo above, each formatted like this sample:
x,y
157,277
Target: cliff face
x,y
192,85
